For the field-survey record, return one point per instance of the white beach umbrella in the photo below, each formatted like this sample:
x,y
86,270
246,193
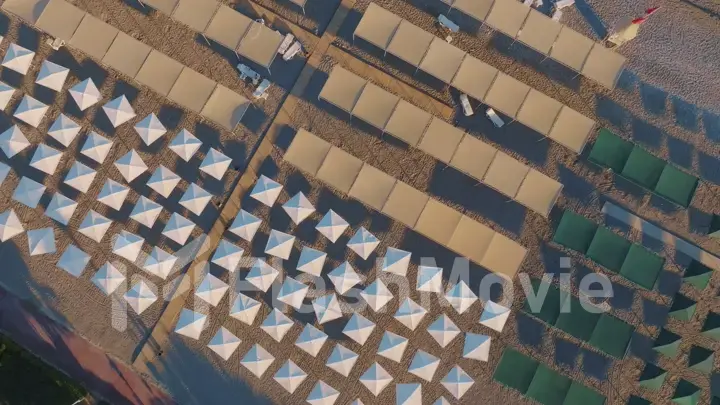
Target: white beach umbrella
x,y
94,226
408,394
245,309
424,365
163,181
185,145
290,376
10,225
344,278
359,328
108,278
261,275
461,297
410,313
443,330
61,208
332,226
211,290
311,340
228,255
178,228
119,111
73,261
6,94
376,379
28,192
113,194
224,343
52,75
85,94
266,191
279,244
377,295
494,316
13,141
128,245
46,159
257,360
80,177
159,263
298,208
277,324
150,129
96,147
215,164
457,382
131,166
477,347
190,324
429,279
245,225
322,394
311,261
195,199
30,111
342,360
292,292
64,130
396,261
363,243
41,241
18,58
392,346
327,308
140,297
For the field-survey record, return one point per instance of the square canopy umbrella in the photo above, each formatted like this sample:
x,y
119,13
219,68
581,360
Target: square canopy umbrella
x,y
571,48
572,129
185,144
159,72
119,111
260,44
507,94
113,194
146,211
46,159
10,225
94,226
30,111
506,174
539,32
195,199
59,19
80,177
13,141
64,130
6,94
375,106
515,370
131,166
340,169
52,75
408,123
441,140
442,60
342,89
85,94
28,192
61,209
93,36
228,27
410,43
377,26
474,77
307,152
405,204
192,90
225,107
150,129
126,54
215,164
539,112
508,16
539,192
41,241
196,14
18,58
96,147
610,151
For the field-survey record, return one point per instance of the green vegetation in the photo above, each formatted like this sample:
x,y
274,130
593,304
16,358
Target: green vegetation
x,y
25,379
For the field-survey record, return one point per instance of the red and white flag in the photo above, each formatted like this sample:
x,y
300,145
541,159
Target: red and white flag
x,y
644,18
